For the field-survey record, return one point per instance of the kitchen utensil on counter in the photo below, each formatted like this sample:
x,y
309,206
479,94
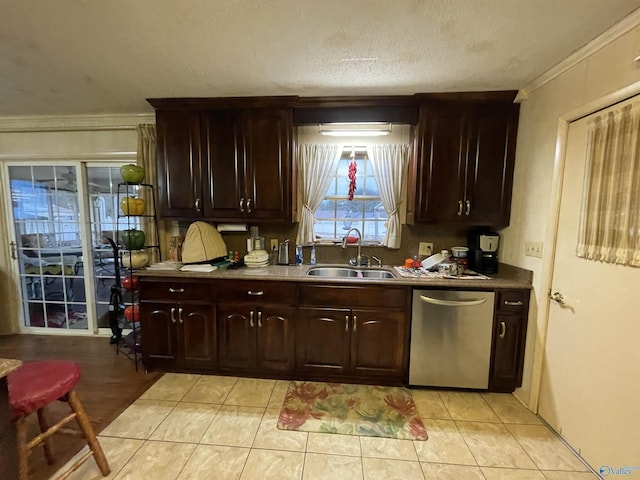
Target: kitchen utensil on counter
x,y
432,261
283,253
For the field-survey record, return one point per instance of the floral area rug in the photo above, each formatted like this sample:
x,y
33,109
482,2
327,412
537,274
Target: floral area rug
x,y
365,410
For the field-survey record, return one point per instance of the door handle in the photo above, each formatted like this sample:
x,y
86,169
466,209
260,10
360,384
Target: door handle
x,y
251,323
180,315
355,323
198,205
13,250
503,329
452,303
248,205
468,209
259,319
346,323
242,204
173,314
459,208
558,298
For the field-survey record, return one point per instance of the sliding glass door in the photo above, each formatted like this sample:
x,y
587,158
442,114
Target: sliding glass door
x,y
61,217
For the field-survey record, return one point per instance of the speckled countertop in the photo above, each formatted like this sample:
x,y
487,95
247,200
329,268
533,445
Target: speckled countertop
x,y
507,277
8,365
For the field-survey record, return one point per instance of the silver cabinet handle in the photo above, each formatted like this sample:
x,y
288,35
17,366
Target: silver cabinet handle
x,y
468,209
459,208
346,323
513,304
197,205
180,315
176,290
242,204
251,324
173,314
355,323
255,293
248,205
503,329
453,303
259,319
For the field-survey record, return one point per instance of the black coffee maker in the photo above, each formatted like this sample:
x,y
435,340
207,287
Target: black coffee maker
x,y
483,250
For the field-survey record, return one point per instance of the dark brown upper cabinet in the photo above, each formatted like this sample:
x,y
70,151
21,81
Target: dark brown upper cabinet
x,y
465,152
225,164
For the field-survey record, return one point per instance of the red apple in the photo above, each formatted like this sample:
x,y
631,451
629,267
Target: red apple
x,y
130,282
132,313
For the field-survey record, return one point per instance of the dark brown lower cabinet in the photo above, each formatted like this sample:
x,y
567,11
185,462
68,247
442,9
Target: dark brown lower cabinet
x,y
177,325
352,343
509,337
256,337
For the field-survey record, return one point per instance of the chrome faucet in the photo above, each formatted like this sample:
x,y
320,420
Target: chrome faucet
x,y
358,259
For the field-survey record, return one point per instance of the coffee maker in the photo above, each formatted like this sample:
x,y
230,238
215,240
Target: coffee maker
x,y
483,250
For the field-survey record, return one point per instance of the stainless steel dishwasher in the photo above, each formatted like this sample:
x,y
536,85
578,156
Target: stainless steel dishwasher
x,y
451,338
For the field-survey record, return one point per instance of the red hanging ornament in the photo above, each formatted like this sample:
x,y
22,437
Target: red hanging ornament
x,y
353,169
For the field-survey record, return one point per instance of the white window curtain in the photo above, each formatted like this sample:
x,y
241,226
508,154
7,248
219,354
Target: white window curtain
x,y
389,164
610,219
146,158
316,165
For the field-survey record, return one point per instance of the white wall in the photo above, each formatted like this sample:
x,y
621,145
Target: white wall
x,y
607,70
36,139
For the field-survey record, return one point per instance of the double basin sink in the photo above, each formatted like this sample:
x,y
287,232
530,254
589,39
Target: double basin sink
x,y
349,272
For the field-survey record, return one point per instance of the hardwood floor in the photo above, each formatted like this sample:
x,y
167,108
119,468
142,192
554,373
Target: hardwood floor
x,y
109,384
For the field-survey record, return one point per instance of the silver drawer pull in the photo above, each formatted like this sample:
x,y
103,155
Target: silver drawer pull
x,y
513,304
176,290
255,293
453,303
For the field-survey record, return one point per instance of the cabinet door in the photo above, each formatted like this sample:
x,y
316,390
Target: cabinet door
x,y
179,164
323,340
237,330
224,165
490,165
158,334
442,150
377,339
508,349
268,139
197,336
276,338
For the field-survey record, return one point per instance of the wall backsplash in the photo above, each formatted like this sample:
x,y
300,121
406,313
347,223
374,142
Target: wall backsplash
x,y
441,237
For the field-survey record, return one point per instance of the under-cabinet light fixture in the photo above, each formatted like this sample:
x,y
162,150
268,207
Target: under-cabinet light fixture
x,y
370,129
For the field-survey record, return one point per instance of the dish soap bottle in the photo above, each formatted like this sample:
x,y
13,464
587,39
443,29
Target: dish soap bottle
x,y
312,260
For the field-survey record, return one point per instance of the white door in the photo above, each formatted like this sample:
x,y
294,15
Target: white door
x,y
590,391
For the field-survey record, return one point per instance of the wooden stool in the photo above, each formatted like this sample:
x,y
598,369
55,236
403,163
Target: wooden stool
x,y
32,387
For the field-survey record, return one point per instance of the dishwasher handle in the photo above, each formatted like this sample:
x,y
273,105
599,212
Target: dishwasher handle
x,y
453,303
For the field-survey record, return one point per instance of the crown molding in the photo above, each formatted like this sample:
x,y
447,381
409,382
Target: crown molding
x,y
73,123
625,25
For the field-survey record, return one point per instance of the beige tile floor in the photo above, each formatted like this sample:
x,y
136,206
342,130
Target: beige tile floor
x,y
191,427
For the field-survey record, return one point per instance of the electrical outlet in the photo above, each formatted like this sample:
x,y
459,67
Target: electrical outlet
x,y
425,249
533,249
274,244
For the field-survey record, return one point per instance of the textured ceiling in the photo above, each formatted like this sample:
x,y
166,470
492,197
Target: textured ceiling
x,y
88,57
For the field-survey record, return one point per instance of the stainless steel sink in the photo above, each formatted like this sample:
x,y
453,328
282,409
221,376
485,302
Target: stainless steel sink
x,y
346,272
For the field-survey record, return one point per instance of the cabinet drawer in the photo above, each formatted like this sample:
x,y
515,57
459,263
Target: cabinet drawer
x,y
176,290
351,296
512,301
257,291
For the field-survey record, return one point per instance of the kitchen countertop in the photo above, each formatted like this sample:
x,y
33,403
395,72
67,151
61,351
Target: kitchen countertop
x,y
508,276
8,365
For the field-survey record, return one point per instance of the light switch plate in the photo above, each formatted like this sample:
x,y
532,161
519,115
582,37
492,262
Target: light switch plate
x,y
533,249
425,249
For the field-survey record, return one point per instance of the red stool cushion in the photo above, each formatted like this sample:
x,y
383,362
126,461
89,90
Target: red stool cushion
x,y
37,384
